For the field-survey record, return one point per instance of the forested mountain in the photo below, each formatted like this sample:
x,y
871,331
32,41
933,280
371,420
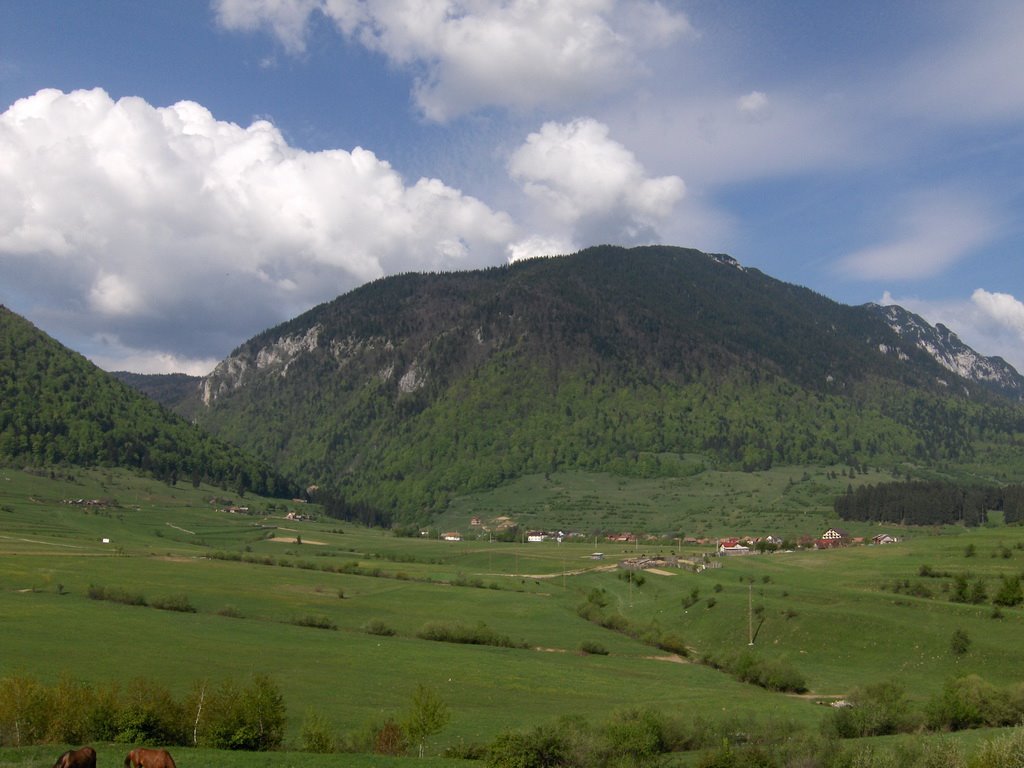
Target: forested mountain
x,y
416,387
171,390
58,408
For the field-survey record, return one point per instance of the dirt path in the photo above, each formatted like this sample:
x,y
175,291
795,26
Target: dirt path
x,y
559,574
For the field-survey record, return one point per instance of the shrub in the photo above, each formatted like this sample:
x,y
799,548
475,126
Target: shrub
x,y
969,702
232,717
378,627
772,674
390,738
615,622
875,710
25,709
540,748
148,715
115,595
174,603
635,737
457,632
593,648
317,622
960,643
315,734
673,643
1009,592
1002,752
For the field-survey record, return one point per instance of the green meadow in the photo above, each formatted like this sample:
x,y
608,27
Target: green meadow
x,y
787,501
295,599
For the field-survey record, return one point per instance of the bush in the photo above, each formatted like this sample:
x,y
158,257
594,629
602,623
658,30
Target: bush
x,y
144,711
148,715
540,748
390,738
960,643
673,643
233,717
970,702
457,632
25,711
115,595
315,734
590,647
876,710
772,674
378,627
1002,752
1009,592
635,737
317,622
174,603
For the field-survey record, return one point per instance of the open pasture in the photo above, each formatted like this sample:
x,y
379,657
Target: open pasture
x,y
261,602
787,501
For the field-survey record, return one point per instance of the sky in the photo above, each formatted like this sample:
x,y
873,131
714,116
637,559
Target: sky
x,y
179,175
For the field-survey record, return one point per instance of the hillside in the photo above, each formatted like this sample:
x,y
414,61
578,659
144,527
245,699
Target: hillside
x,y
416,388
171,390
58,408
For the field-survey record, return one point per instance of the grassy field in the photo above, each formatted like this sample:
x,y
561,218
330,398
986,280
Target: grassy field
x,y
843,618
787,501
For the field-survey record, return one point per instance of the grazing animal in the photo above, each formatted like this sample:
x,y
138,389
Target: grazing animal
x,y
77,758
149,758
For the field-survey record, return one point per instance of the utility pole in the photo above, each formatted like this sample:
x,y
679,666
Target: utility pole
x,y
750,614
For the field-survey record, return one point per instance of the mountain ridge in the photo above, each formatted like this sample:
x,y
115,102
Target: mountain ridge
x,y
415,387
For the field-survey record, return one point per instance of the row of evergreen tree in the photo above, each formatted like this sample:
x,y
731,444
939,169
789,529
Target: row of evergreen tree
x,y
930,502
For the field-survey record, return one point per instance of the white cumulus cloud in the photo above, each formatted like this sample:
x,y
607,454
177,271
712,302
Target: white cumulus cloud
x,y
1003,309
539,246
165,226
467,54
584,181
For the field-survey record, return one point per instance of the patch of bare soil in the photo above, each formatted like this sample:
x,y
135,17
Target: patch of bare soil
x,y
675,658
659,572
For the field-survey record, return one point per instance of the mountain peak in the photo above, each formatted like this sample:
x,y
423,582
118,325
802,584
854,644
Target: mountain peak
x,y
416,387
945,347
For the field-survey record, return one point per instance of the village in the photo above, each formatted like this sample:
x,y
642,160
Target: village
x,y
733,546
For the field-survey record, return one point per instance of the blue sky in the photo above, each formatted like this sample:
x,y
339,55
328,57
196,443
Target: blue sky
x,y
178,176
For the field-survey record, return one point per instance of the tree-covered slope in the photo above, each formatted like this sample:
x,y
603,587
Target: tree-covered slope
x,y
58,408
171,390
416,387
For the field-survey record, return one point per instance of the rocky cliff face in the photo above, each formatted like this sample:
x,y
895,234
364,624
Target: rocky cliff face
x,y
946,348
233,372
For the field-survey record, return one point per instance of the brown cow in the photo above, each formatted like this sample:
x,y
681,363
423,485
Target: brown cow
x,y
77,758
149,758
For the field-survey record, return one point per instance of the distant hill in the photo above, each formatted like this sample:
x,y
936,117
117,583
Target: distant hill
x,y
171,390
417,387
58,408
